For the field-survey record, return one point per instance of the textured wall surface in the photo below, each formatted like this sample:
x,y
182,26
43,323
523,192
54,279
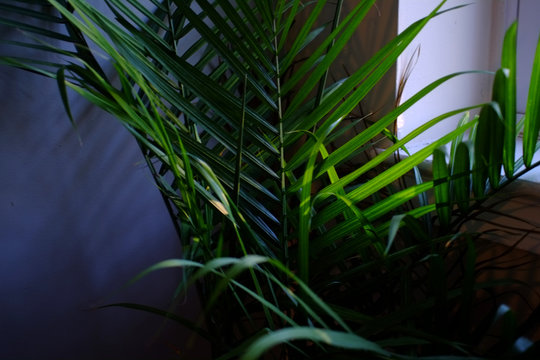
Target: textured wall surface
x,y
76,223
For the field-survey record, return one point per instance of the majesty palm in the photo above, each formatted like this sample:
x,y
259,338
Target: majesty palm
x,y
245,136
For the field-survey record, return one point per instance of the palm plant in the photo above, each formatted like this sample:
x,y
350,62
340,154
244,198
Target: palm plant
x,y
288,248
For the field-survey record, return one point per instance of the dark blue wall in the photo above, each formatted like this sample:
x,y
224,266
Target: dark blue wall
x,y
76,223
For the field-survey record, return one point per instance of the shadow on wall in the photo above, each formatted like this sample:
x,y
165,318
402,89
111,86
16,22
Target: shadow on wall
x,y
77,222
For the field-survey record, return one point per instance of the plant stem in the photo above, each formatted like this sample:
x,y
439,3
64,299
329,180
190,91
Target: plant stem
x,y
240,145
283,222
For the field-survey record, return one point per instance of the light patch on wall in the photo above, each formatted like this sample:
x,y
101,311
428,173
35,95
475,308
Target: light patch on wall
x,y
400,122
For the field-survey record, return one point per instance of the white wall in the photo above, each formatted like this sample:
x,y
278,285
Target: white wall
x,y
456,41
528,30
469,38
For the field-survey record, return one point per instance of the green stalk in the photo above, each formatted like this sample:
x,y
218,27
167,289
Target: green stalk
x,y
236,191
532,119
283,220
509,62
